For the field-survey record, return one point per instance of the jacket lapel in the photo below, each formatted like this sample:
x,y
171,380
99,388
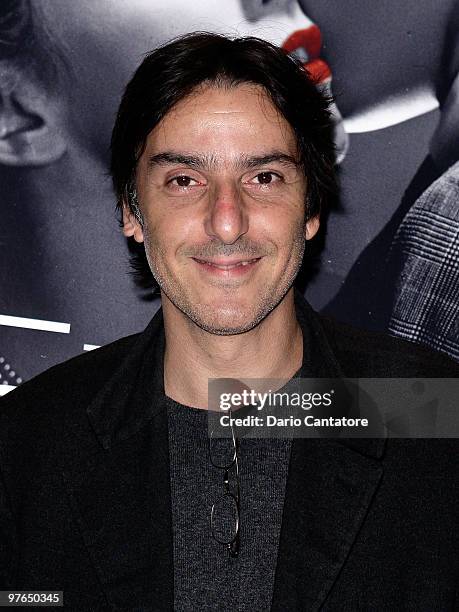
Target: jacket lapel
x,y
329,489
120,493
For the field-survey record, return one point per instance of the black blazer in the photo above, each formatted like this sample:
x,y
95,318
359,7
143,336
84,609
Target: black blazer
x,y
368,525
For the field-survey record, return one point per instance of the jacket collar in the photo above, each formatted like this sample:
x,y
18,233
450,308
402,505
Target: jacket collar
x,y
324,363
135,392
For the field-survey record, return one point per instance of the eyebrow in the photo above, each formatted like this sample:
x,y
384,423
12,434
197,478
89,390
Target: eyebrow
x,y
210,162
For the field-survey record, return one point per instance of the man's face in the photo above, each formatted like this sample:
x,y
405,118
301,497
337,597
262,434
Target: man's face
x,y
223,201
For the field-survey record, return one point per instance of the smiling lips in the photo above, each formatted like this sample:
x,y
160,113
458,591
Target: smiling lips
x,y
223,266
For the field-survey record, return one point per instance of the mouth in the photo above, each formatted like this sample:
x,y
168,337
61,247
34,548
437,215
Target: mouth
x,y
227,268
305,45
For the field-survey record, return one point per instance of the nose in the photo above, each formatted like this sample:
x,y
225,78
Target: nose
x,y
227,218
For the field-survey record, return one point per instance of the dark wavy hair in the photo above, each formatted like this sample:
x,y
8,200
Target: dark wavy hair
x,y
171,72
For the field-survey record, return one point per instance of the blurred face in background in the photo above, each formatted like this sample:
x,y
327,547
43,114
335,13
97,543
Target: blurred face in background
x,y
103,41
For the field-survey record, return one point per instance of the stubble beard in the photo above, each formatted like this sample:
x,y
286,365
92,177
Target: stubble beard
x,y
203,315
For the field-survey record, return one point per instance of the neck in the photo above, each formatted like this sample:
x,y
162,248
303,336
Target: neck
x,y
272,349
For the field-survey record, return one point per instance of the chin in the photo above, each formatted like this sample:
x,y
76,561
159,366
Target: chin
x,y
226,328
226,321
224,315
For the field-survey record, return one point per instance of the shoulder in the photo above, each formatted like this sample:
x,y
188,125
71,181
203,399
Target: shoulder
x,y
439,201
363,353
73,382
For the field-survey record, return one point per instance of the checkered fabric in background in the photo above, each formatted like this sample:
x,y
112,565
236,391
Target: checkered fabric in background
x,y
426,248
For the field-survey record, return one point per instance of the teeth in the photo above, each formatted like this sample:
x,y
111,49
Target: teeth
x,y
230,266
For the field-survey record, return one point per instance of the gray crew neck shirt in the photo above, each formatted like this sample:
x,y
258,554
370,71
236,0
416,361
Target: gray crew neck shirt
x,y
206,577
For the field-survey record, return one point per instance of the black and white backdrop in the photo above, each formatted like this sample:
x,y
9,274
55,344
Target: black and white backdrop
x,y
390,253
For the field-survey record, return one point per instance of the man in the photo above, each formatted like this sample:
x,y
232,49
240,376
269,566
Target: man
x,y
222,159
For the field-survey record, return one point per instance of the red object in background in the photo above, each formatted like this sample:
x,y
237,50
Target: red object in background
x,y
309,41
318,69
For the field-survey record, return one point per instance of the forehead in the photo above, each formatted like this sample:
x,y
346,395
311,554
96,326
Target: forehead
x,y
224,120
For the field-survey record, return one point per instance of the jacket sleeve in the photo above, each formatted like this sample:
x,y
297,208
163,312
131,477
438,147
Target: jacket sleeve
x,y
7,539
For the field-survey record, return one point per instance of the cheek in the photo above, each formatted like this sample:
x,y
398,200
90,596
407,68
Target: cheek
x,y
284,227
165,235
291,243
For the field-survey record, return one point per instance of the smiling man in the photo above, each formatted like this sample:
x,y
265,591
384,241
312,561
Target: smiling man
x,y
112,490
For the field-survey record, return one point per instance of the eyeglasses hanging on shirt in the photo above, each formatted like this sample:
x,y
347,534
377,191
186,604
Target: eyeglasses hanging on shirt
x,y
225,513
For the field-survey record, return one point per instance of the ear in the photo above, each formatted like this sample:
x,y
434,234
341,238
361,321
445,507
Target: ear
x,y
131,227
312,227
31,126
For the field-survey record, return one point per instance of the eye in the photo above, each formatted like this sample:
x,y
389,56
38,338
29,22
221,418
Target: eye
x,y
183,181
266,178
